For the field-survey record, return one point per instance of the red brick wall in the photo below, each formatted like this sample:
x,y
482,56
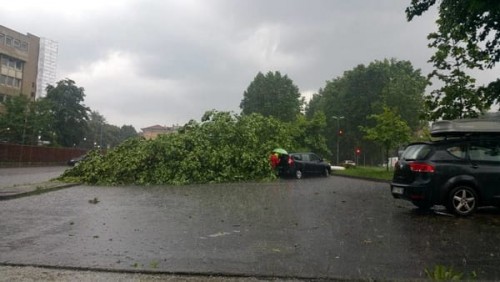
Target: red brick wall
x,y
19,155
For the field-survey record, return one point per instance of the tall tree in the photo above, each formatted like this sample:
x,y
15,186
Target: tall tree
x,y
468,37
70,114
272,95
364,91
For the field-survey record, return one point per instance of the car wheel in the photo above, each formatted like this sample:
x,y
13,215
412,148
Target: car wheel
x,y
462,200
298,174
326,173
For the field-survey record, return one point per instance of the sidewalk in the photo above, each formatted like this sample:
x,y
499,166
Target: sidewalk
x,y
16,191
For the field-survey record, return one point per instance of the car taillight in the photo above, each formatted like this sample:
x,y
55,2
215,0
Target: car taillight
x,y
421,167
290,161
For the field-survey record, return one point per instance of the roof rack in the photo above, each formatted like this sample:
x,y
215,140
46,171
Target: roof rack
x,y
465,127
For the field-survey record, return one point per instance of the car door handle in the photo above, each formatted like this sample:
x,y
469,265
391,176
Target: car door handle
x,y
475,166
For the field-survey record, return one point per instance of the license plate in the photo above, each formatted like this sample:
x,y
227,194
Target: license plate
x,y
397,190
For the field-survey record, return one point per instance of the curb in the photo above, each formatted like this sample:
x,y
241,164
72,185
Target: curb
x,y
8,193
362,178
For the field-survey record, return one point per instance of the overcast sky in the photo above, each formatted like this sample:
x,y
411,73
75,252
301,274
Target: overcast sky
x,y
148,62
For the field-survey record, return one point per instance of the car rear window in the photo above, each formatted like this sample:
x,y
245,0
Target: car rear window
x,y
416,152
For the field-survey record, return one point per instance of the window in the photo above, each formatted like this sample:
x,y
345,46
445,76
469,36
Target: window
x,y
9,81
17,43
19,65
416,152
485,150
313,157
17,83
2,38
3,79
24,46
8,41
457,151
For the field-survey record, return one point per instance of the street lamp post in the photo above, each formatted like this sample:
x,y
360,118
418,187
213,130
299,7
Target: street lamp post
x,y
338,118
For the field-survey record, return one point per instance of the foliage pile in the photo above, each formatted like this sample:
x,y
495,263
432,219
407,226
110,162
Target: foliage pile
x,y
222,148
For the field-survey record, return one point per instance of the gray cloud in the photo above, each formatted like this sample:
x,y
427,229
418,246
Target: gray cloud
x,y
164,62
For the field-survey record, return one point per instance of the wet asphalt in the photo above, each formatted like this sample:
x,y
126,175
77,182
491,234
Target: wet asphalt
x,y
331,227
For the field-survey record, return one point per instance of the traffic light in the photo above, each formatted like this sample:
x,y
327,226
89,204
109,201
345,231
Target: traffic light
x,y
341,132
358,151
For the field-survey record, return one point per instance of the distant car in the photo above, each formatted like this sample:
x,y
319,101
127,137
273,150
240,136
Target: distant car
x,y
300,164
348,164
75,161
461,171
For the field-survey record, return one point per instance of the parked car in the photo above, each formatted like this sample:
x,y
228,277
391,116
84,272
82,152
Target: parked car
x,y
77,160
301,164
460,171
348,164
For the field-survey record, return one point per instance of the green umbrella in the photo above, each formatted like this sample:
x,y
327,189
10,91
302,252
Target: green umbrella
x,y
280,151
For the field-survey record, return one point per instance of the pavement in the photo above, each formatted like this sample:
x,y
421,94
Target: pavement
x,y
17,191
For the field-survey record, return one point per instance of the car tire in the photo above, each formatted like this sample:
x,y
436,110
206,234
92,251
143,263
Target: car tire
x,y
298,174
462,200
326,173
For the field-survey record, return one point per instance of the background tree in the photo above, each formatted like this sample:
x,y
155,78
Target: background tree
x,y
362,92
309,134
14,122
272,95
100,134
70,114
467,38
390,131
126,132
26,122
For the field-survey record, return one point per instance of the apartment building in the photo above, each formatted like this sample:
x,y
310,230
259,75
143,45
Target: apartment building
x,y
27,64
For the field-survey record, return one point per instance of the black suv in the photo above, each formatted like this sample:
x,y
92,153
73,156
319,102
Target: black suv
x,y
461,171
300,164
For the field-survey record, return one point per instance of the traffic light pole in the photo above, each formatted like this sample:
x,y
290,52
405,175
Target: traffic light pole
x,y
338,135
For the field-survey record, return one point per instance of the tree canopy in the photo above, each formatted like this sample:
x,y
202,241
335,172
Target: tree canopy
x,y
70,114
272,95
390,131
60,119
365,91
221,148
467,38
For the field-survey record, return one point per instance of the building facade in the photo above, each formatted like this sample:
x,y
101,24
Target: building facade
x,y
27,64
153,131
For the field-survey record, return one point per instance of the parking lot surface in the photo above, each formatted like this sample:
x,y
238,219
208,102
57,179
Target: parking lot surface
x,y
320,227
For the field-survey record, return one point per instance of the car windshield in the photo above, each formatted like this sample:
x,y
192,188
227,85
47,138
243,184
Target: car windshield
x,y
416,152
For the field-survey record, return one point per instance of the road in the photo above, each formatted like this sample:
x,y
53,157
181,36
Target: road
x,y
331,227
27,175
